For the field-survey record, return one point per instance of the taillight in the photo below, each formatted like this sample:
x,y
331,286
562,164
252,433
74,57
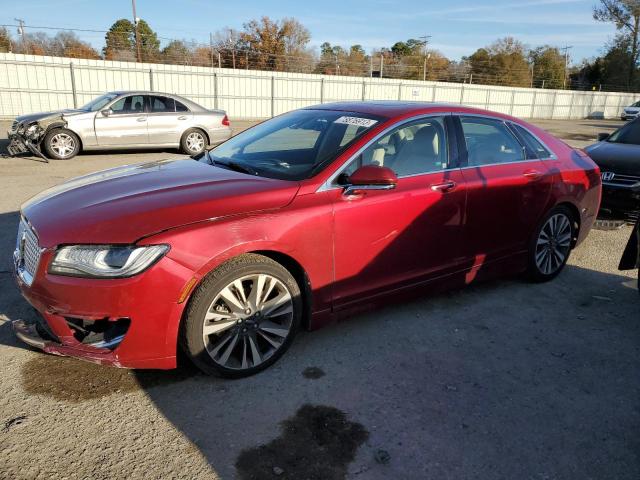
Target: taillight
x,y
225,121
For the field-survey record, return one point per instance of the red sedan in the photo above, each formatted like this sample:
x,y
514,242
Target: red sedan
x,y
294,223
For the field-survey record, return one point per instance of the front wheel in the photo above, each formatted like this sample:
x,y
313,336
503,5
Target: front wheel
x,y
243,317
61,144
551,245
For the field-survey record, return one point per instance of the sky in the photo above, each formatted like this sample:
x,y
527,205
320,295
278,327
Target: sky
x,y
457,28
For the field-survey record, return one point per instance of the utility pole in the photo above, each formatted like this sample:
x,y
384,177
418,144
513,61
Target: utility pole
x,y
381,62
425,41
211,47
566,64
532,67
135,24
21,33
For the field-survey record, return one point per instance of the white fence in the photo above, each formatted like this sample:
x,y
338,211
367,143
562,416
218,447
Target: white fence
x,y
35,83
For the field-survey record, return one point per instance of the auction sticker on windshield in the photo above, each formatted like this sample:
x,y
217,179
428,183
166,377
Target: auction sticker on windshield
x,y
360,122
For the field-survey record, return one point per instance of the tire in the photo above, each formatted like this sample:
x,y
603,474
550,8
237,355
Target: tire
x,y
193,141
244,333
551,244
61,144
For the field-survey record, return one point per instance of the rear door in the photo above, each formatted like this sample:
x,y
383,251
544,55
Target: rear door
x,y
165,124
125,125
507,190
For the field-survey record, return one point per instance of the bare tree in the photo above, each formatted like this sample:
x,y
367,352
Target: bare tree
x,y
625,14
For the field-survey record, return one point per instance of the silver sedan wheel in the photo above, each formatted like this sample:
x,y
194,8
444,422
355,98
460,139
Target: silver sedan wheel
x,y
248,321
195,142
554,244
62,144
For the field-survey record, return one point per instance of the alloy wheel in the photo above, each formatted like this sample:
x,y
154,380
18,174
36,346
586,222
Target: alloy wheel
x,y
63,145
248,321
195,142
553,244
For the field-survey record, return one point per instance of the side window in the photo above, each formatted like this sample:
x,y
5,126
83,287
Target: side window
x,y
412,149
131,104
532,142
490,141
181,107
162,104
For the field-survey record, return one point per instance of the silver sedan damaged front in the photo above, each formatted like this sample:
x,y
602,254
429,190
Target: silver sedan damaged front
x,y
27,136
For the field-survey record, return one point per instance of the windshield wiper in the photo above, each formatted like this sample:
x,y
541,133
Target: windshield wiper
x,y
234,166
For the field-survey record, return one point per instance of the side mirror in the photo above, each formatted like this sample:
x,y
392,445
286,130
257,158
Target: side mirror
x,y
106,112
371,177
602,136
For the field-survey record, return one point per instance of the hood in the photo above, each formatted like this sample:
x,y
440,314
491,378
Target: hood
x,y
632,109
616,157
127,203
33,117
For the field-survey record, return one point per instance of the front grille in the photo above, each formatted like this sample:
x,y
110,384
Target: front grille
x,y
27,254
620,180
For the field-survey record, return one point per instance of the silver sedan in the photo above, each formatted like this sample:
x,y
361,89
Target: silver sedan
x,y
119,120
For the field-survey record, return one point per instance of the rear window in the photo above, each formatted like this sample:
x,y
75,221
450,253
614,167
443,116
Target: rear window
x,y
532,142
181,107
162,104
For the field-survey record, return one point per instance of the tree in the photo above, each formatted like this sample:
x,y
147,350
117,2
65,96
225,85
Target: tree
x,y
5,40
177,51
67,44
504,62
120,42
149,43
273,43
625,14
549,65
228,42
610,71
119,39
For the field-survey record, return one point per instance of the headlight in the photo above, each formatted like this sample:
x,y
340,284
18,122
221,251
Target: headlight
x,y
31,130
105,261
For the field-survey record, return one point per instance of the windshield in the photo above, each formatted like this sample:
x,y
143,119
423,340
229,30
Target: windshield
x,y
637,104
630,133
293,146
97,103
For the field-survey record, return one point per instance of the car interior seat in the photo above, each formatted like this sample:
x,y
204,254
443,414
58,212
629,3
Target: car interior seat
x,y
419,154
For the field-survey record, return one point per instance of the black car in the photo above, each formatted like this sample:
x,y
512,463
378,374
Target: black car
x,y
618,156
631,256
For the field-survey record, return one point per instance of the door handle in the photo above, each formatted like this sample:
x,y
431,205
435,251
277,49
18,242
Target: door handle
x,y
443,187
532,175
182,117
142,119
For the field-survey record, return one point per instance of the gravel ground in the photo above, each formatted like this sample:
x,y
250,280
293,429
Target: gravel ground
x,y
500,380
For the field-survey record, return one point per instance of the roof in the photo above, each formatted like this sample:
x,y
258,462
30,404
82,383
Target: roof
x,y
394,108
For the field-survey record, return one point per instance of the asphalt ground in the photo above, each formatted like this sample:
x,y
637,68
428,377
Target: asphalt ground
x,y
501,380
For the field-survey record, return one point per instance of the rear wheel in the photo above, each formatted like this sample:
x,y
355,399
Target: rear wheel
x,y
243,317
551,245
193,141
61,144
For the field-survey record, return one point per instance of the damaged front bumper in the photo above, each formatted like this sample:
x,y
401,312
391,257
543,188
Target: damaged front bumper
x,y
58,336
19,144
27,136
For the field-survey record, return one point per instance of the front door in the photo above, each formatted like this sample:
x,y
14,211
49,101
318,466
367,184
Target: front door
x,y
385,239
507,190
126,125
